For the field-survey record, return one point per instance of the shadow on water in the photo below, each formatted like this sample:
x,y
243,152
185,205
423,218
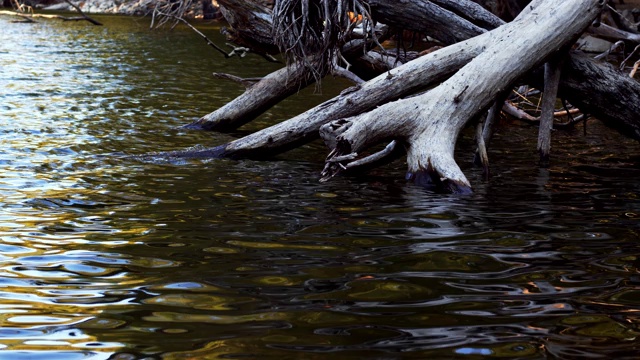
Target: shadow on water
x,y
110,257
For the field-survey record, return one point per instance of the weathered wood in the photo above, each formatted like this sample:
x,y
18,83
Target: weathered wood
x,y
602,91
471,11
277,86
582,80
608,32
551,82
258,98
251,25
444,25
429,124
401,81
410,78
481,156
266,93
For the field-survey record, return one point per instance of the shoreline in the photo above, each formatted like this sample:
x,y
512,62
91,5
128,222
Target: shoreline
x,y
196,10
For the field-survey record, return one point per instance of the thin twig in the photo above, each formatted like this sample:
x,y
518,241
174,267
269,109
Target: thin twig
x,y
614,47
246,82
342,72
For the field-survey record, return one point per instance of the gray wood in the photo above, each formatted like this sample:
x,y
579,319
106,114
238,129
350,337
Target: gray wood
x,y
429,124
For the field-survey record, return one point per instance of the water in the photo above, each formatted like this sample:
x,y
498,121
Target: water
x,y
103,256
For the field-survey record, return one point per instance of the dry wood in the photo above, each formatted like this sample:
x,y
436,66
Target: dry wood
x,y
264,94
481,156
30,16
429,124
401,81
551,82
444,25
259,99
593,87
471,11
608,32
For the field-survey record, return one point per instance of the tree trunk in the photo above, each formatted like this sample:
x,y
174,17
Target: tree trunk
x,y
444,26
250,25
258,98
604,92
262,96
429,124
266,93
402,81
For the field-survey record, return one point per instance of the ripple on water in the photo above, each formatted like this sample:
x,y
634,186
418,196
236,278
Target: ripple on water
x,y
110,256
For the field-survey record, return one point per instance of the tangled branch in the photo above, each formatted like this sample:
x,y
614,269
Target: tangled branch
x,y
312,31
167,11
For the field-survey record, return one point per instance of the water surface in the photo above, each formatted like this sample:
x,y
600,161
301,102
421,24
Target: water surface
x,y
103,256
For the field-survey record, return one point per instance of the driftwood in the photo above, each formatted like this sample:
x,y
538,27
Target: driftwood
x,y
551,82
402,81
304,127
427,125
261,97
30,15
264,94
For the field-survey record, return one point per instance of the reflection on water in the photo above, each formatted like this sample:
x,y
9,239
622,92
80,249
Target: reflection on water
x,y
103,256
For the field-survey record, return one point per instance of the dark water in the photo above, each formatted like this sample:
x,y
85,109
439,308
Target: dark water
x,y
109,257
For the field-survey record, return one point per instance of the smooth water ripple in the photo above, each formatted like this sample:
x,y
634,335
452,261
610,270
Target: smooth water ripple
x,y
106,256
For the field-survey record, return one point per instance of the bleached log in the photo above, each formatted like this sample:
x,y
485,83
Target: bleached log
x,y
551,83
429,124
401,81
444,26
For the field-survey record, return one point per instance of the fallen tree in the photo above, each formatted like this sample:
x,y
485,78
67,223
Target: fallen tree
x,y
428,125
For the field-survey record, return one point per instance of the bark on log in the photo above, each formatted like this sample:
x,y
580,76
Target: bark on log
x,y
551,82
471,11
593,87
250,25
266,93
604,92
429,124
402,81
263,96
444,25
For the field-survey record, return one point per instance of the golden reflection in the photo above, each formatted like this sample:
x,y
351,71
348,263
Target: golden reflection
x,y
196,301
164,316
265,245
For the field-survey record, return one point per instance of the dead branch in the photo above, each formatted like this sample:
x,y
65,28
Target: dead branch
x,y
619,45
429,124
608,32
30,16
158,13
84,16
246,82
551,82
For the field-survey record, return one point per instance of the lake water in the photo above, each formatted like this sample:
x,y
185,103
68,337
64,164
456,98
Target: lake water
x,y
109,257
